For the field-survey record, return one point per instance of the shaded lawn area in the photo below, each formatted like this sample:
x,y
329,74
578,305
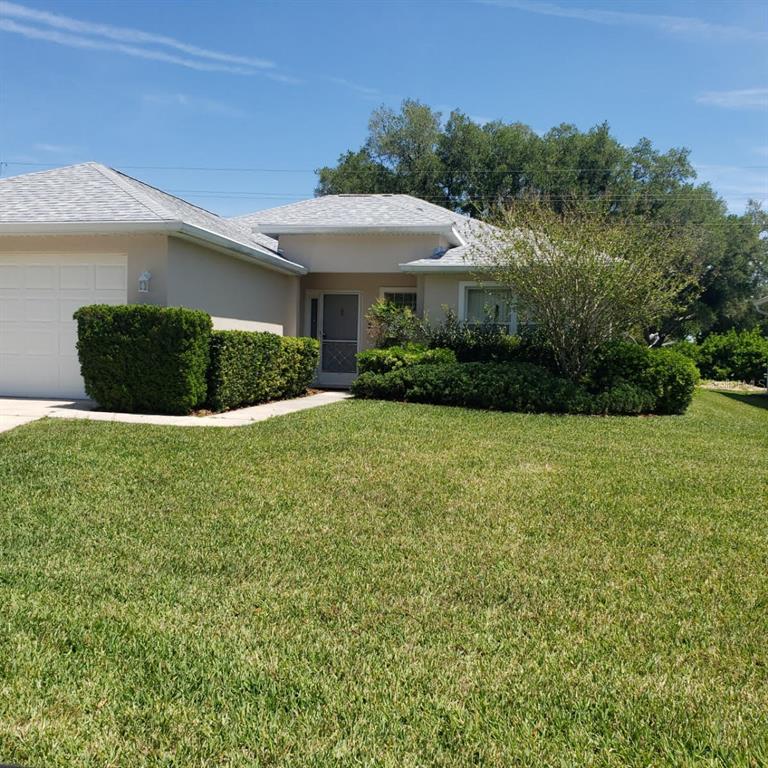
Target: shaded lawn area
x,y
384,584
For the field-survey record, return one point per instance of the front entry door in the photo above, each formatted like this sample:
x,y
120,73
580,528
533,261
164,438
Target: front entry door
x,y
338,339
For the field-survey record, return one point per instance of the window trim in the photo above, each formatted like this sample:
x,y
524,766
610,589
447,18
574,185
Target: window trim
x,y
466,285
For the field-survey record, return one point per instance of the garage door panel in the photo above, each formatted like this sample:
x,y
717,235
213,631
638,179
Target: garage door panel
x,y
11,309
109,297
37,310
41,341
67,340
41,277
11,342
69,304
109,277
38,353
10,276
76,277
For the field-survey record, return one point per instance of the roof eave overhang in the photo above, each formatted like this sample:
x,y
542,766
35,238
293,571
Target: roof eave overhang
x,y
188,231
87,227
437,268
249,253
445,230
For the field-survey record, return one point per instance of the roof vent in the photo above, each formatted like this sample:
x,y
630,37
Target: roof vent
x,y
439,252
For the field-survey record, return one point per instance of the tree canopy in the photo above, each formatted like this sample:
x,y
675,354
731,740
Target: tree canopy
x,y
484,170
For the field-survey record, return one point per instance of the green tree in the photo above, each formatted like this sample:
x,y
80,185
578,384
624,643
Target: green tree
x,y
483,170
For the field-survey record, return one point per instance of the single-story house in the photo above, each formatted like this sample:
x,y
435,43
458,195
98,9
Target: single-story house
x,y
86,234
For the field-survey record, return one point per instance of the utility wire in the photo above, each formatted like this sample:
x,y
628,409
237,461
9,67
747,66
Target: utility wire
x,y
244,169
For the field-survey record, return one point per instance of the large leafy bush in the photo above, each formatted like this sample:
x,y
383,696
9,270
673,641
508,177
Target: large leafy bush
x,y
252,367
736,355
141,358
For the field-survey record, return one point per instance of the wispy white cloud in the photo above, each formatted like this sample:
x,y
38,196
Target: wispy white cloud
x,y
362,90
762,151
746,98
56,149
76,41
126,35
280,78
193,103
680,25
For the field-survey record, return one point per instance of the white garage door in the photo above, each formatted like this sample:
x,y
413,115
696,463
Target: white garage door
x,y
38,294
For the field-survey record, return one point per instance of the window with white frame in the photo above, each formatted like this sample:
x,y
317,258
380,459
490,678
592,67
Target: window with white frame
x,y
480,303
400,298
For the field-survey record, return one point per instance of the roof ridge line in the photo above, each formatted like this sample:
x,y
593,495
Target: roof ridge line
x,y
114,176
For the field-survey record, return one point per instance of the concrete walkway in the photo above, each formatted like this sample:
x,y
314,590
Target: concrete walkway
x,y
17,411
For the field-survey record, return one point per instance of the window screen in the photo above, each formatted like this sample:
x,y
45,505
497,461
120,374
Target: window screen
x,y
490,306
401,299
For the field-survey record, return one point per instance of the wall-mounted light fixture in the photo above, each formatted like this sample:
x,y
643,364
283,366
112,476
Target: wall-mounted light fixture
x,y
144,279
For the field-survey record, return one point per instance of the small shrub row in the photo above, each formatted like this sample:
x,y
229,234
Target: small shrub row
x,y
145,359
252,367
520,387
665,385
734,356
392,358
141,358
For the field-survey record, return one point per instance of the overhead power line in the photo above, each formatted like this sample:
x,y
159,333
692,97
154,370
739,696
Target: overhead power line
x,y
246,169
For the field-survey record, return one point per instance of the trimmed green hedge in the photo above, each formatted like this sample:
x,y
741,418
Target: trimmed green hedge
x,y
392,358
252,367
666,386
144,359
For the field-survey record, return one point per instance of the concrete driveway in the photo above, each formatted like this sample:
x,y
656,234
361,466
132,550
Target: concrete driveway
x,y
15,411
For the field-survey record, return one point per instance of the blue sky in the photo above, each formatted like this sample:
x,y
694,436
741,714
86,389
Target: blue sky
x,y
288,86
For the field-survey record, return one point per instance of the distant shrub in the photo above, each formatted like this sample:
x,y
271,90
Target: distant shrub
x,y
686,348
392,358
250,367
140,358
736,355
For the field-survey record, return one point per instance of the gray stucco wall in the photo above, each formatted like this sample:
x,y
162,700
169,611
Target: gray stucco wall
x,y
441,290
231,289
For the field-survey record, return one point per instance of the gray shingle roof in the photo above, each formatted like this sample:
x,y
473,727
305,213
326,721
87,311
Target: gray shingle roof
x,y
91,193
381,211
362,211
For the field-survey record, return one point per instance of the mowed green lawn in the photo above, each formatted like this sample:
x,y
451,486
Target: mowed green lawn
x,y
385,584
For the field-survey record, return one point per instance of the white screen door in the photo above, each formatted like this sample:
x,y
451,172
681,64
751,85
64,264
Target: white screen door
x,y
339,338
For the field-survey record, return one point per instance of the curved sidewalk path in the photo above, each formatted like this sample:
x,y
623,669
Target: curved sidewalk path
x,y
17,411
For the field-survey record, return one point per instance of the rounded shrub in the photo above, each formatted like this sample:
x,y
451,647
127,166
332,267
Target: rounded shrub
x,y
671,378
